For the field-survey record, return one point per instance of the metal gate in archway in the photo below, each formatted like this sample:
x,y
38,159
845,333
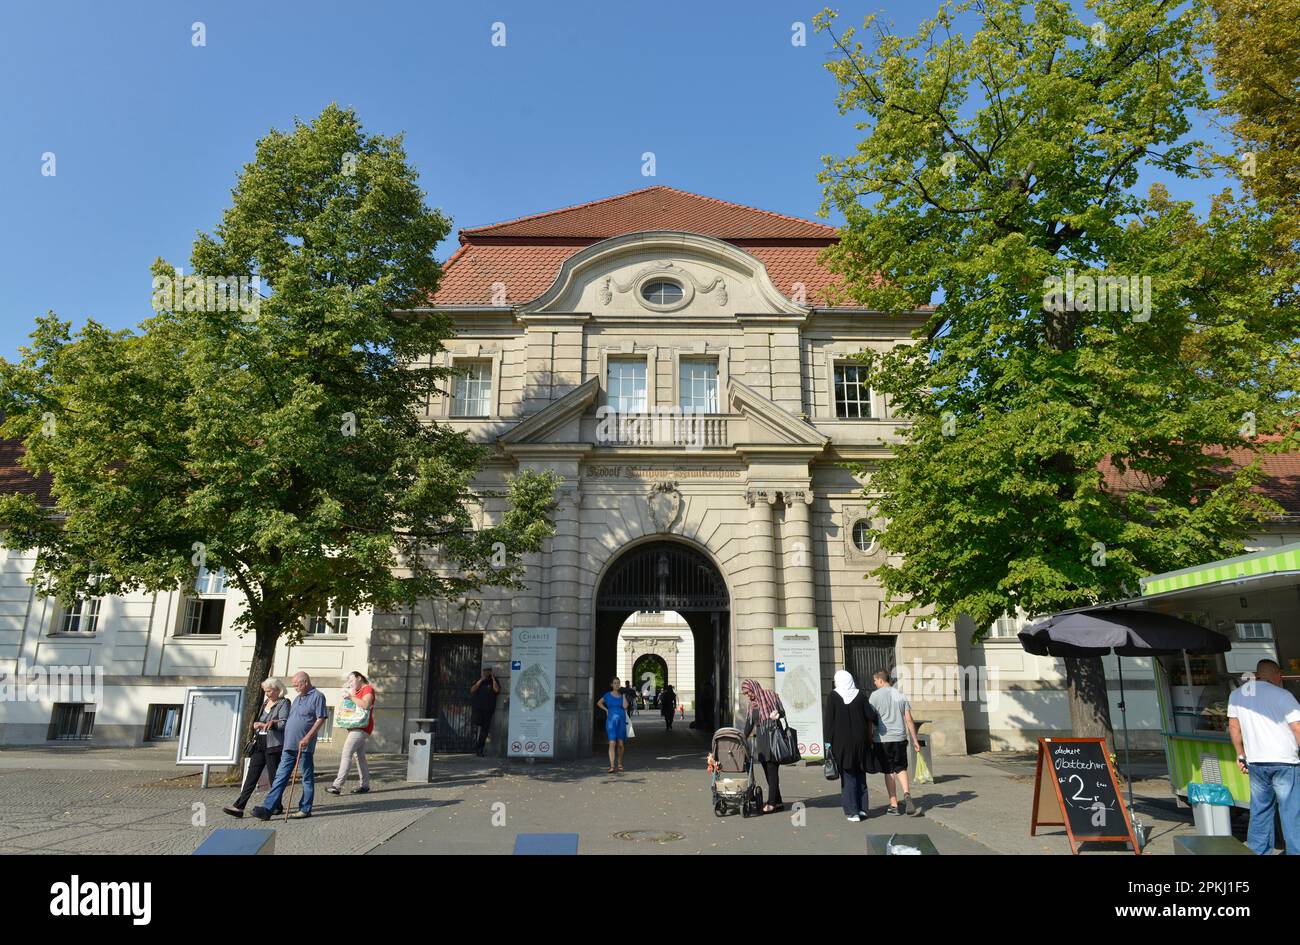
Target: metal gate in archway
x,y
665,575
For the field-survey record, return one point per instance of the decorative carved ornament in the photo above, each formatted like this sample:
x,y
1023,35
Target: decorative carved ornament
x,y
664,267
664,502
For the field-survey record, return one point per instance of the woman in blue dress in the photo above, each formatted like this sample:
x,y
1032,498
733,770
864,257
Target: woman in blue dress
x,y
614,705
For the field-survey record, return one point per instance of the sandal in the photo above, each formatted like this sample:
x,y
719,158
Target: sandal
x,y
620,767
611,770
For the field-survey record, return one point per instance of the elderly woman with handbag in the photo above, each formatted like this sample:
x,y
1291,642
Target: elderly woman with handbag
x,y
356,716
263,749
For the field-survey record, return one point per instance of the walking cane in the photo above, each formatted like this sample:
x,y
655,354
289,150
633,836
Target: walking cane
x,y
293,776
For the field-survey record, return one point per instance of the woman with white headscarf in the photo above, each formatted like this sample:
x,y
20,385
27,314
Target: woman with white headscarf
x,y
849,724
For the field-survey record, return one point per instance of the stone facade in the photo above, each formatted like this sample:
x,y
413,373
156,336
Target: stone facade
x,y
680,291
763,493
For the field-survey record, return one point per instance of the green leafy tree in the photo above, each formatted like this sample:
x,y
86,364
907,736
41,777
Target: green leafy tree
x,y
998,174
1256,64
283,438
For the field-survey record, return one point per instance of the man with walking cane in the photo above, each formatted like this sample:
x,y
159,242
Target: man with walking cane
x,y
306,716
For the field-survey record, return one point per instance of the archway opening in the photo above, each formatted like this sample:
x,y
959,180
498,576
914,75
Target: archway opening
x,y
656,650
653,597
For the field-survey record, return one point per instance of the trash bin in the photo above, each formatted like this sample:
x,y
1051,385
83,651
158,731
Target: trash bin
x,y
419,751
1211,809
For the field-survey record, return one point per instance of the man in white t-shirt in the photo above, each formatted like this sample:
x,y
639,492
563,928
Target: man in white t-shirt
x,y
1264,722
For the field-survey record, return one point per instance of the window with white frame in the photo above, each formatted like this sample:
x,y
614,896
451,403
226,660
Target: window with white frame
x,y
81,616
852,396
472,389
627,385
697,385
203,616
332,623
205,609
1255,630
1008,625
210,582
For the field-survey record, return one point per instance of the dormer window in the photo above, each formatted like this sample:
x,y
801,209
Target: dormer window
x,y
661,292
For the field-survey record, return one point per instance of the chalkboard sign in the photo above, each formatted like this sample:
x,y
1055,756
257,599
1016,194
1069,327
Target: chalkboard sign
x,y
1075,778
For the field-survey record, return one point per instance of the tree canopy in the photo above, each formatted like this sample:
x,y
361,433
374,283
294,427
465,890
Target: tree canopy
x,y
1093,345
279,430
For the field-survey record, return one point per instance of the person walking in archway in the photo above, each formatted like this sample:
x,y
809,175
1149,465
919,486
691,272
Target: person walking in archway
x,y
849,726
668,705
764,706
614,705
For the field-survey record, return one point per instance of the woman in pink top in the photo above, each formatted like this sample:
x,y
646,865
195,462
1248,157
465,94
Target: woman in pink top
x,y
359,690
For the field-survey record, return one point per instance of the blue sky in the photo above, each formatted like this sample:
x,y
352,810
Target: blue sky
x,y
149,131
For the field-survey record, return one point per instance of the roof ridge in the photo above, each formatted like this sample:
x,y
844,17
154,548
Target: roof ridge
x,y
469,233
547,213
745,206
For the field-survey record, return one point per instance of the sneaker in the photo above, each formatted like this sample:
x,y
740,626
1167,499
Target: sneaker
x,y
233,811
863,815
894,810
300,815
854,819
361,790
333,790
910,806
261,813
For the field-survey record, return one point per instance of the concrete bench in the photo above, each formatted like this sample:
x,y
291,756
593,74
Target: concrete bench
x,y
1196,845
877,842
230,841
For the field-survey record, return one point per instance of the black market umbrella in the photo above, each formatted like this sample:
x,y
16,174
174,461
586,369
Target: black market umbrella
x,y
1099,631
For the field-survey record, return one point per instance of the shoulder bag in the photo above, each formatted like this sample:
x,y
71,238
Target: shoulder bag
x,y
351,715
782,741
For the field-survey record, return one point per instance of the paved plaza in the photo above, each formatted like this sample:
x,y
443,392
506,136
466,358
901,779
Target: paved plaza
x,y
85,800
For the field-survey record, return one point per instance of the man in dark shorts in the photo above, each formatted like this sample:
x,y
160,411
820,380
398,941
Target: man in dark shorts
x,y
889,750
483,704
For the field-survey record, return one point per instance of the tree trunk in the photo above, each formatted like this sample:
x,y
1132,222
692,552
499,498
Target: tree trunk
x,y
264,643
1089,700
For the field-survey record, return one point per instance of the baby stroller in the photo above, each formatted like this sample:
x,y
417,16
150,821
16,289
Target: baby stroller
x,y
731,771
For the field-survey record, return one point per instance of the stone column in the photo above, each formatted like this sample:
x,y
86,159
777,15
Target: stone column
x,y
759,592
797,560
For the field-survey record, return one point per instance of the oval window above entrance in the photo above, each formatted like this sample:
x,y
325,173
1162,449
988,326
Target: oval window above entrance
x,y
661,292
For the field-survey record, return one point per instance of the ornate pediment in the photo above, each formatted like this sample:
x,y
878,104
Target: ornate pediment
x,y
764,414
554,416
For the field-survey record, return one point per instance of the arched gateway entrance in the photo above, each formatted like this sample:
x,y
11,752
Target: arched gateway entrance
x,y
661,576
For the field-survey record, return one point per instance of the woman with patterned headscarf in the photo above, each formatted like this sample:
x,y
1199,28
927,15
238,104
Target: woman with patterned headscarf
x,y
764,705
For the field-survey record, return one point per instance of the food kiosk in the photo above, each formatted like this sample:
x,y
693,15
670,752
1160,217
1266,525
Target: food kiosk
x,y
1254,600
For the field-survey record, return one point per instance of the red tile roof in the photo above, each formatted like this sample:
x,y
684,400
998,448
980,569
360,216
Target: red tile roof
x,y
525,255
16,478
1281,481
656,208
